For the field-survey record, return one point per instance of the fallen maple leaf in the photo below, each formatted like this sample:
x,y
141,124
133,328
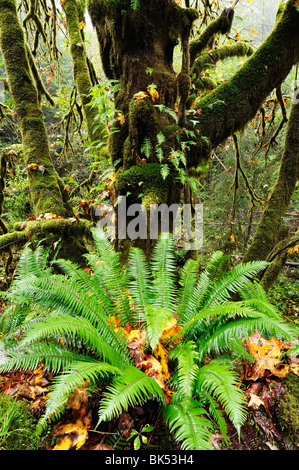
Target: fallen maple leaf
x,y
267,354
255,402
171,332
74,433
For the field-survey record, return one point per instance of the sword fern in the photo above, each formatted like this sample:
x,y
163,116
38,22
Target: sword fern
x,y
77,308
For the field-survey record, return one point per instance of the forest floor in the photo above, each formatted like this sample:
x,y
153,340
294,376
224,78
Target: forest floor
x,y
269,426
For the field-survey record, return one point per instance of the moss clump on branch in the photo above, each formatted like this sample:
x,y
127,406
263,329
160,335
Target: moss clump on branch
x,y
221,25
144,181
210,59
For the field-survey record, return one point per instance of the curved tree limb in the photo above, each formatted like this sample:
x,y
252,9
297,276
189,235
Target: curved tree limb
x,y
229,107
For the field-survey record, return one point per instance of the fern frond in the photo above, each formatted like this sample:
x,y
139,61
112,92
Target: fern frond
x,y
189,426
59,324
216,414
197,297
31,263
54,356
219,381
187,369
229,309
187,283
140,285
135,4
86,283
156,320
114,278
128,389
241,329
65,384
234,281
63,294
164,269
13,317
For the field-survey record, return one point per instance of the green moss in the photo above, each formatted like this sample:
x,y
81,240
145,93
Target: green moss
x,y
145,182
82,77
221,25
18,429
288,410
230,106
210,59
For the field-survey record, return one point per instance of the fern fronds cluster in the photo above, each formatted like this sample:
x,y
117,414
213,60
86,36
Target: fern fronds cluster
x,y
68,322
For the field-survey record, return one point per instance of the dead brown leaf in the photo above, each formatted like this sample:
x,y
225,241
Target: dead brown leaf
x,y
267,354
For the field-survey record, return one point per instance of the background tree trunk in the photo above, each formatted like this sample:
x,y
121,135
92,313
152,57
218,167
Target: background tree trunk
x,y
45,191
271,229
83,82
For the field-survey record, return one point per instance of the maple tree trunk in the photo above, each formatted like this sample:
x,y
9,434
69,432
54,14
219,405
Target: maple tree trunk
x,y
44,185
137,49
75,25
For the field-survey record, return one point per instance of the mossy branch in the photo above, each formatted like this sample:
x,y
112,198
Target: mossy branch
x,y
230,106
210,59
221,25
32,15
36,230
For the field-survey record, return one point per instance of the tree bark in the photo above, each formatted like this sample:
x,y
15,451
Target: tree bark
x,y
81,70
45,192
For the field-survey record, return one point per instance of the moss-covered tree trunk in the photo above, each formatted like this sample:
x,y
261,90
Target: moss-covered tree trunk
x,y
45,191
137,49
75,23
271,229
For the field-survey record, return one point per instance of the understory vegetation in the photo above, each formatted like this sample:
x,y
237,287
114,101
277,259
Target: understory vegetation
x,y
142,332
112,343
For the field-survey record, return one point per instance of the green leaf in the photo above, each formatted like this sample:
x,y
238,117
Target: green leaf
x,y
146,147
156,318
187,369
221,382
137,443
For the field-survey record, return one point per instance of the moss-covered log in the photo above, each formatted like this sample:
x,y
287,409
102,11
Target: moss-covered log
x,y
45,193
81,67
